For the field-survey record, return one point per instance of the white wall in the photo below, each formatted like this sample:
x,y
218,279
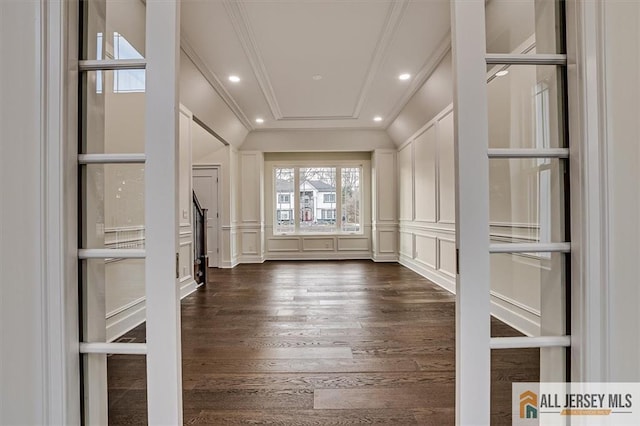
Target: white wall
x,y
250,198
427,201
621,64
527,290
22,290
316,140
429,100
204,102
384,205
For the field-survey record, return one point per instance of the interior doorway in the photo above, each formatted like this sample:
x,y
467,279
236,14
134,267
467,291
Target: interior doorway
x,y
205,185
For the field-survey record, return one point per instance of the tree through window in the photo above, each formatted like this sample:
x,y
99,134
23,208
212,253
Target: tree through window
x,y
327,200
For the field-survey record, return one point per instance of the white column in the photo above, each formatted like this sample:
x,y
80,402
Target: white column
x,y
473,366
164,375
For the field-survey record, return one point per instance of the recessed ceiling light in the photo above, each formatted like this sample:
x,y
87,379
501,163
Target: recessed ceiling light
x,y
502,73
404,76
259,120
377,118
317,77
234,78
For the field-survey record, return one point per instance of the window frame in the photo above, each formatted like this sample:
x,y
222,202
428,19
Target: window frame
x,y
296,204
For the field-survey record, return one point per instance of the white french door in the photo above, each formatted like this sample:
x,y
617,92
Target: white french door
x,y
128,156
511,151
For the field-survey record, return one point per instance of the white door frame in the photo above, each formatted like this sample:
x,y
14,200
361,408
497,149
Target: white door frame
x,y
589,201
218,167
473,338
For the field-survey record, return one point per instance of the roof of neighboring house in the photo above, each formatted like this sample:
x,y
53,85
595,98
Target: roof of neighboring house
x,y
320,186
284,185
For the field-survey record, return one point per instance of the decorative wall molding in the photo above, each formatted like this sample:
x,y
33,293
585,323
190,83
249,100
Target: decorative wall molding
x,y
131,315
515,314
438,278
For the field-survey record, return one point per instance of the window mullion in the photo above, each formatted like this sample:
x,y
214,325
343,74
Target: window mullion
x,y
296,197
339,199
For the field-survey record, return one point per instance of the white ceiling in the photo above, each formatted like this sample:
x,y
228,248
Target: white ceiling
x,y
359,47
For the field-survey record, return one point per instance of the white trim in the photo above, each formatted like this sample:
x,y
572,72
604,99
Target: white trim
x,y
111,254
526,59
530,247
112,158
528,153
431,64
530,342
214,82
125,319
442,280
515,314
111,64
61,390
589,197
162,136
114,348
471,141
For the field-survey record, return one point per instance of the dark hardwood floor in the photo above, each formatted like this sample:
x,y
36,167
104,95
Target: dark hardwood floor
x,y
318,343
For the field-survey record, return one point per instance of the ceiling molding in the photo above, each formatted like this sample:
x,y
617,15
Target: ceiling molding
x,y
420,79
396,12
241,24
214,81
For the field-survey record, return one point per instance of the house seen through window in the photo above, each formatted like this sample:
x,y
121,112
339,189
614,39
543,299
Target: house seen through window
x,y
317,200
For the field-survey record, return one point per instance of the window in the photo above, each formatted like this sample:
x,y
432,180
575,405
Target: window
x,y
315,208
328,215
351,196
126,81
284,185
284,198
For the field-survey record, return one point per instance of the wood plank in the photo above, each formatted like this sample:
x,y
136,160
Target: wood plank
x,y
274,343
434,395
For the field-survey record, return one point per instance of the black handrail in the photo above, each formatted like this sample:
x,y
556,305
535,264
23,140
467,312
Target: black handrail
x,y
200,258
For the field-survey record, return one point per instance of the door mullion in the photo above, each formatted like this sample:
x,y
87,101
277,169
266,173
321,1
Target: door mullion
x,y
164,377
473,361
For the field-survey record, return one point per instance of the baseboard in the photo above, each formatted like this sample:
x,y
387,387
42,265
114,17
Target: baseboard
x,y
188,287
515,315
385,258
229,264
131,317
512,313
125,320
251,259
442,280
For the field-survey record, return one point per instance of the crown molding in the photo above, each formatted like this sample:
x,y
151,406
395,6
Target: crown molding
x,y
241,24
394,17
214,81
444,47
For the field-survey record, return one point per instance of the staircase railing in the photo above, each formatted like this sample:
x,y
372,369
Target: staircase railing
x,y
200,257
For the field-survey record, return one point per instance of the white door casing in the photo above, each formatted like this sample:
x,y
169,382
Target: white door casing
x,y
205,185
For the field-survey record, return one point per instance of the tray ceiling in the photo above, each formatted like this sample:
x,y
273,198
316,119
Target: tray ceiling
x,y
315,64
